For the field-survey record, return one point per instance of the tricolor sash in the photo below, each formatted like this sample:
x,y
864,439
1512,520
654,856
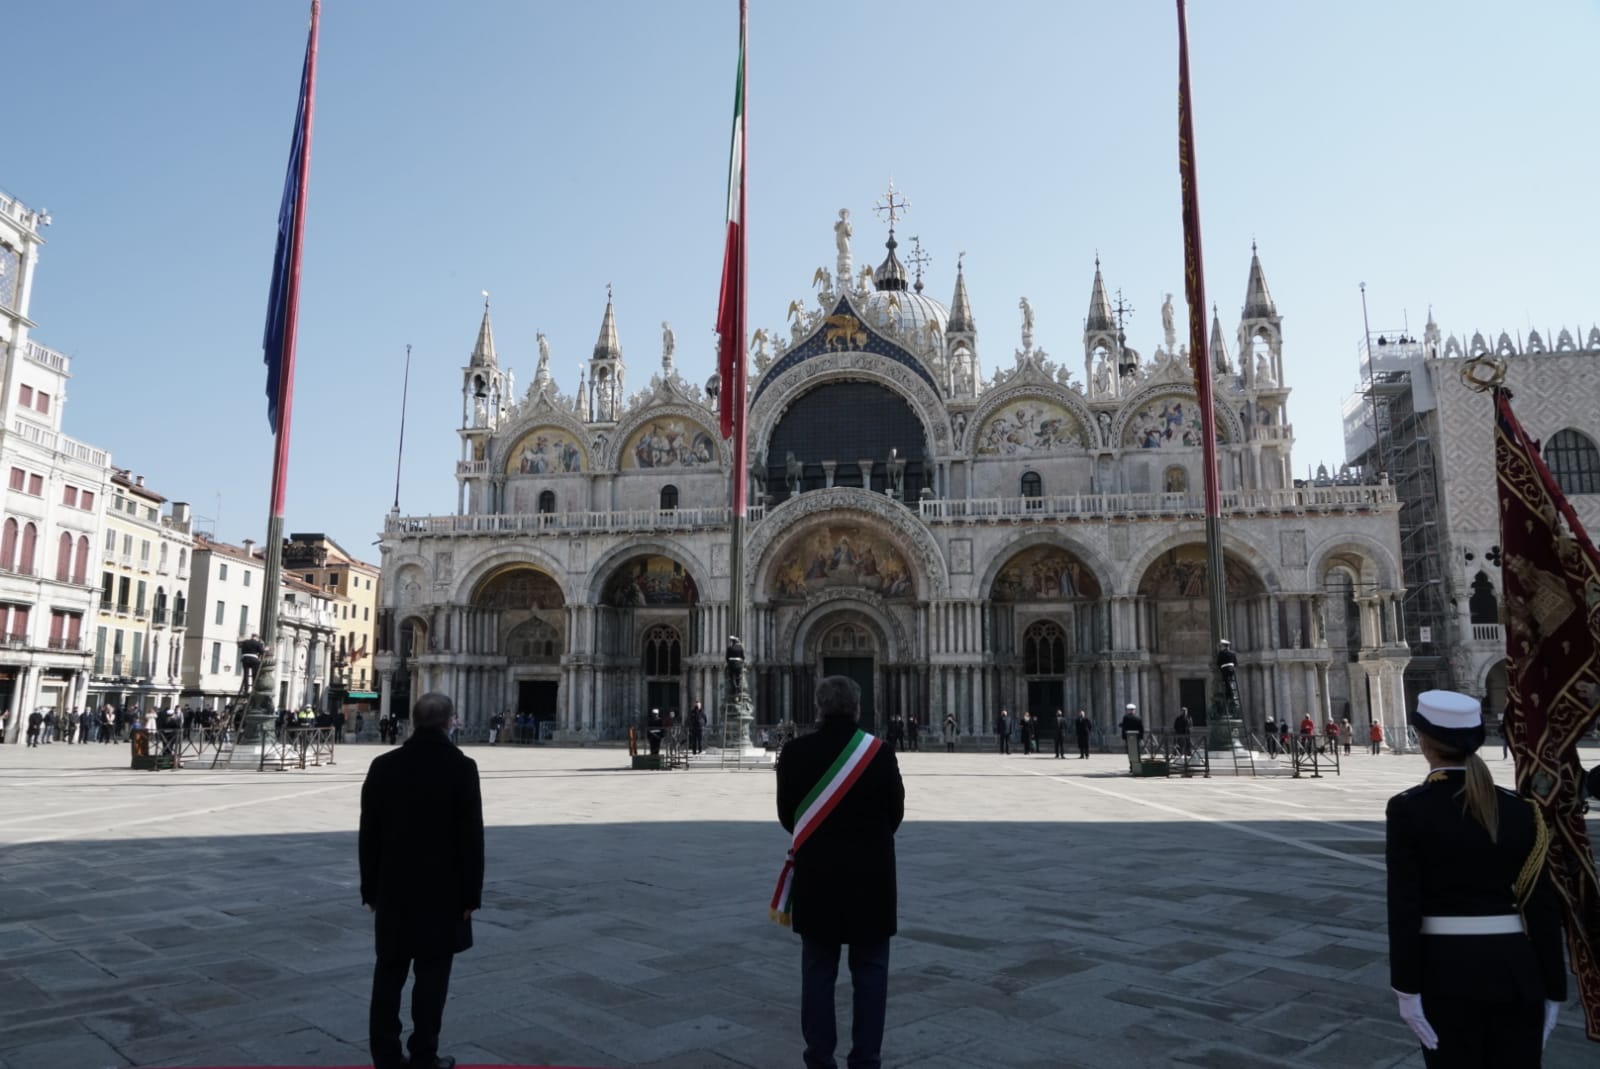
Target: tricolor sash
x,y
814,808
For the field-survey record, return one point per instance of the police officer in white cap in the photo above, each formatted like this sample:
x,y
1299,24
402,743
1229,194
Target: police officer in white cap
x,y
1474,926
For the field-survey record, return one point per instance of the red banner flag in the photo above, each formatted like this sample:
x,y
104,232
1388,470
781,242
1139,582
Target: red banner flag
x,y
1194,277
1551,577
731,304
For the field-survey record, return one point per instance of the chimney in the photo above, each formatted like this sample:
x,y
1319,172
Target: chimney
x,y
180,512
138,480
249,545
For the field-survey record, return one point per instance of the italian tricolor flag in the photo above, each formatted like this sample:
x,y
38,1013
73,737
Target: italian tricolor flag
x,y
730,307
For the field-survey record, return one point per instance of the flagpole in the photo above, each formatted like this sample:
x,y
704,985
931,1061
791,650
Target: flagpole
x,y
1226,698
264,699
731,320
400,450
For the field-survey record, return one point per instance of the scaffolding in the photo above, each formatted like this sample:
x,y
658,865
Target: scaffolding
x,y
1390,430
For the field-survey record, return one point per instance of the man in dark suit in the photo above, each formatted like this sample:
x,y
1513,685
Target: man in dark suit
x,y
1002,729
1080,728
844,877
421,848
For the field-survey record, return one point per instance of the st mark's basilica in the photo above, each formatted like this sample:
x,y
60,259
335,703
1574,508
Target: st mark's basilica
x,y
959,529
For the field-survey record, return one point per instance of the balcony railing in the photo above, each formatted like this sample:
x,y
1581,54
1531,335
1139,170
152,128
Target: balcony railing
x,y
16,639
141,613
72,644
126,560
177,617
122,608
472,467
159,617
17,568
49,439
49,358
553,522
1486,633
1325,499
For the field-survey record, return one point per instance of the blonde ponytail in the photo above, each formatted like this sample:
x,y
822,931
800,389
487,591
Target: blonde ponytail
x,y
1482,800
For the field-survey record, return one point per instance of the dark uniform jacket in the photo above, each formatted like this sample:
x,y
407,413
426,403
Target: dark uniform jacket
x,y
1442,864
844,874
421,847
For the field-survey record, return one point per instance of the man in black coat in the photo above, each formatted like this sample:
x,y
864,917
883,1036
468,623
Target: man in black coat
x,y
1061,734
844,878
421,848
1080,727
1002,729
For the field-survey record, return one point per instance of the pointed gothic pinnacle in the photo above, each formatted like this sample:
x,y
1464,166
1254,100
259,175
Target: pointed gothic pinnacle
x,y
960,307
1257,298
483,354
1100,317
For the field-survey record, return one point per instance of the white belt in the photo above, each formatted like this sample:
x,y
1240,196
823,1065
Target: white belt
x,y
1502,924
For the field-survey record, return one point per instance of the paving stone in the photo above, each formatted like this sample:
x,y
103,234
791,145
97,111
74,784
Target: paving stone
x,y
1050,917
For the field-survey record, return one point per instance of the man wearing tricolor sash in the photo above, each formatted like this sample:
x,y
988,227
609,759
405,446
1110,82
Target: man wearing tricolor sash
x,y
840,795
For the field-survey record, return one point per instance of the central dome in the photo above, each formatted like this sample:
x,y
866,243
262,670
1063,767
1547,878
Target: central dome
x,y
904,312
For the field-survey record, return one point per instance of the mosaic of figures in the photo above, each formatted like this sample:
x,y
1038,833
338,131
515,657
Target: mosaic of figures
x,y
1044,573
651,581
1181,573
844,555
1165,423
670,443
545,450
1028,427
520,589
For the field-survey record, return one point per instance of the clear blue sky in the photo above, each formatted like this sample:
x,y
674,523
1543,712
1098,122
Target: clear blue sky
x,y
1442,153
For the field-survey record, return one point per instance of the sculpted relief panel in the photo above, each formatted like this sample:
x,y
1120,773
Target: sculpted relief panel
x,y
1029,427
842,555
543,451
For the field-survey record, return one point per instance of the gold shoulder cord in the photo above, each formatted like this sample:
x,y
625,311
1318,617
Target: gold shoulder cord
x,y
1534,864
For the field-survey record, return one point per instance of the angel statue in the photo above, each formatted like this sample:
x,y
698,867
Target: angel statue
x,y
544,352
841,234
668,341
1167,329
758,347
1027,324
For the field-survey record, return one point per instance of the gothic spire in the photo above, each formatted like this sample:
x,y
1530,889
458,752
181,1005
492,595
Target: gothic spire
x,y
483,351
960,306
1219,349
1100,317
607,347
1257,298
891,274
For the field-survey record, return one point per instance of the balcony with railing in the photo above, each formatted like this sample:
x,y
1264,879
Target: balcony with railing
x,y
122,608
1065,507
177,617
70,645
159,617
16,640
60,443
472,467
46,357
141,613
126,560
1489,633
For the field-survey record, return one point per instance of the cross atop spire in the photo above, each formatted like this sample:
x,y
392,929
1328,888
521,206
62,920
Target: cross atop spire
x,y
918,260
892,206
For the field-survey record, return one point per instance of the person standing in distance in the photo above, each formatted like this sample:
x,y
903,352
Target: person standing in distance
x,y
421,847
843,876
1474,925
1061,734
1080,728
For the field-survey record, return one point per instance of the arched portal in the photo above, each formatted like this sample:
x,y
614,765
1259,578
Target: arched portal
x,y
652,643
519,611
1046,629
1174,626
848,434
847,644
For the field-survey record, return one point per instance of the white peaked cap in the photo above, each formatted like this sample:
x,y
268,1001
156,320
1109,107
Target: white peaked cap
x,y
1448,709
1130,705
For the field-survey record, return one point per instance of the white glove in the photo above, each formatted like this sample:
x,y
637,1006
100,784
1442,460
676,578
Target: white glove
x,y
1411,1014
1552,1010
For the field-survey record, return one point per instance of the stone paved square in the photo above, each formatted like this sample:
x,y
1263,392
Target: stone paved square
x,y
1053,914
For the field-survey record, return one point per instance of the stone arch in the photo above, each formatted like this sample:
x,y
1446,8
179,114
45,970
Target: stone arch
x,y
924,401
1229,426
1238,549
534,641
992,406
805,628
1099,570
605,568
803,516
421,632
1493,683
1370,564
614,456
410,583
523,555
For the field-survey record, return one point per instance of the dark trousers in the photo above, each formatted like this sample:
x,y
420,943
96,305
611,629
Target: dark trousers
x,y
1083,746
696,739
1005,743
1484,1035
427,1009
949,747
869,982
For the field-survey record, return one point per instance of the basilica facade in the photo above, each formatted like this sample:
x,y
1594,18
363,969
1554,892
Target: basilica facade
x,y
958,529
